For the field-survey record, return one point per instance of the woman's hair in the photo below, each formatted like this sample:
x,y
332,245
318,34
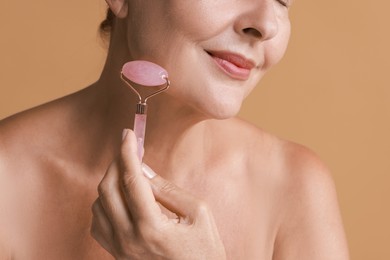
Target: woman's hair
x,y
106,25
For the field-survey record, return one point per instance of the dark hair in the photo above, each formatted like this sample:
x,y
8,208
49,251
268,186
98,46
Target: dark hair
x,y
106,25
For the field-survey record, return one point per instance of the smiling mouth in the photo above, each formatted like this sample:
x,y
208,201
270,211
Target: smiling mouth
x,y
234,65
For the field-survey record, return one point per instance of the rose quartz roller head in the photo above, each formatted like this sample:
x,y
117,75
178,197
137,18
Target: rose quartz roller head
x,y
148,74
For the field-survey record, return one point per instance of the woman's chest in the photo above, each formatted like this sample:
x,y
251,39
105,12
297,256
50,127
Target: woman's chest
x,y
246,226
245,212
245,234
59,226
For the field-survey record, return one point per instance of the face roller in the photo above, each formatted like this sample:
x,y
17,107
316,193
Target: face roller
x,y
144,73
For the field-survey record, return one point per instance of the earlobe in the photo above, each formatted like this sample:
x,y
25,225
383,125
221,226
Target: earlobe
x,y
118,7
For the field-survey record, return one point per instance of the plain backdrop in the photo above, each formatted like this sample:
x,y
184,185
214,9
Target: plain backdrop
x,y
331,92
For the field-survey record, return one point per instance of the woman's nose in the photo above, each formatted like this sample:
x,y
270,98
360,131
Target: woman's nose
x,y
260,22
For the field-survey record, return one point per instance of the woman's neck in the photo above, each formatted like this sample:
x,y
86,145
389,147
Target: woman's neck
x,y
173,129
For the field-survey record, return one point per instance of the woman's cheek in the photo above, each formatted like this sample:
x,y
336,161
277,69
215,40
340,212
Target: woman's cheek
x,y
199,20
276,48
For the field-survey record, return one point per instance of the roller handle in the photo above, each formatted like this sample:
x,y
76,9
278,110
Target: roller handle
x,y
139,130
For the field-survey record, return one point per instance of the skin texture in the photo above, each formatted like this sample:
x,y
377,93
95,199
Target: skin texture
x,y
70,188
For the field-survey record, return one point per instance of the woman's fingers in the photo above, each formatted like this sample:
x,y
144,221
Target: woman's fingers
x,y
174,198
101,229
128,222
192,211
111,199
137,190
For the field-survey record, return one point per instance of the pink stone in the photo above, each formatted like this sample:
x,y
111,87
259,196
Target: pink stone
x,y
139,130
144,73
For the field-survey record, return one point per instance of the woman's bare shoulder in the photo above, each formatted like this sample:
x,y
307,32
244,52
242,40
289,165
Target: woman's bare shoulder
x,y
28,132
31,167
312,226
22,134
290,162
302,190
17,135
16,173
23,138
30,138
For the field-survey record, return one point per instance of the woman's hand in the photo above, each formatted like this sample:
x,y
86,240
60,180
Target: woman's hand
x,y
128,222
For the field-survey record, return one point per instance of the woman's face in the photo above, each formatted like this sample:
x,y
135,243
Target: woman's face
x,y
215,51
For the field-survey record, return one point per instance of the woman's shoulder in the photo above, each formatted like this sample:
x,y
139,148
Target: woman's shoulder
x,y
39,125
34,170
18,173
304,193
311,225
32,136
30,143
302,190
21,137
281,156
23,131
292,170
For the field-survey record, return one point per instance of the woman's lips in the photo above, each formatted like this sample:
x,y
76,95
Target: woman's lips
x,y
234,65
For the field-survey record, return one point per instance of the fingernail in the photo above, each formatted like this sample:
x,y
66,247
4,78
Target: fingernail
x,y
124,133
148,172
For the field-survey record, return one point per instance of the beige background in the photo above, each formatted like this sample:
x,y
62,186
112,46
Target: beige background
x,y
331,92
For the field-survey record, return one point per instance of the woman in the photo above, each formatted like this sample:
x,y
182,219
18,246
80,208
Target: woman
x,y
224,190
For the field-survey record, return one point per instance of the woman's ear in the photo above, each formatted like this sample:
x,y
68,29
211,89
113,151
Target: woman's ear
x,y
118,7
